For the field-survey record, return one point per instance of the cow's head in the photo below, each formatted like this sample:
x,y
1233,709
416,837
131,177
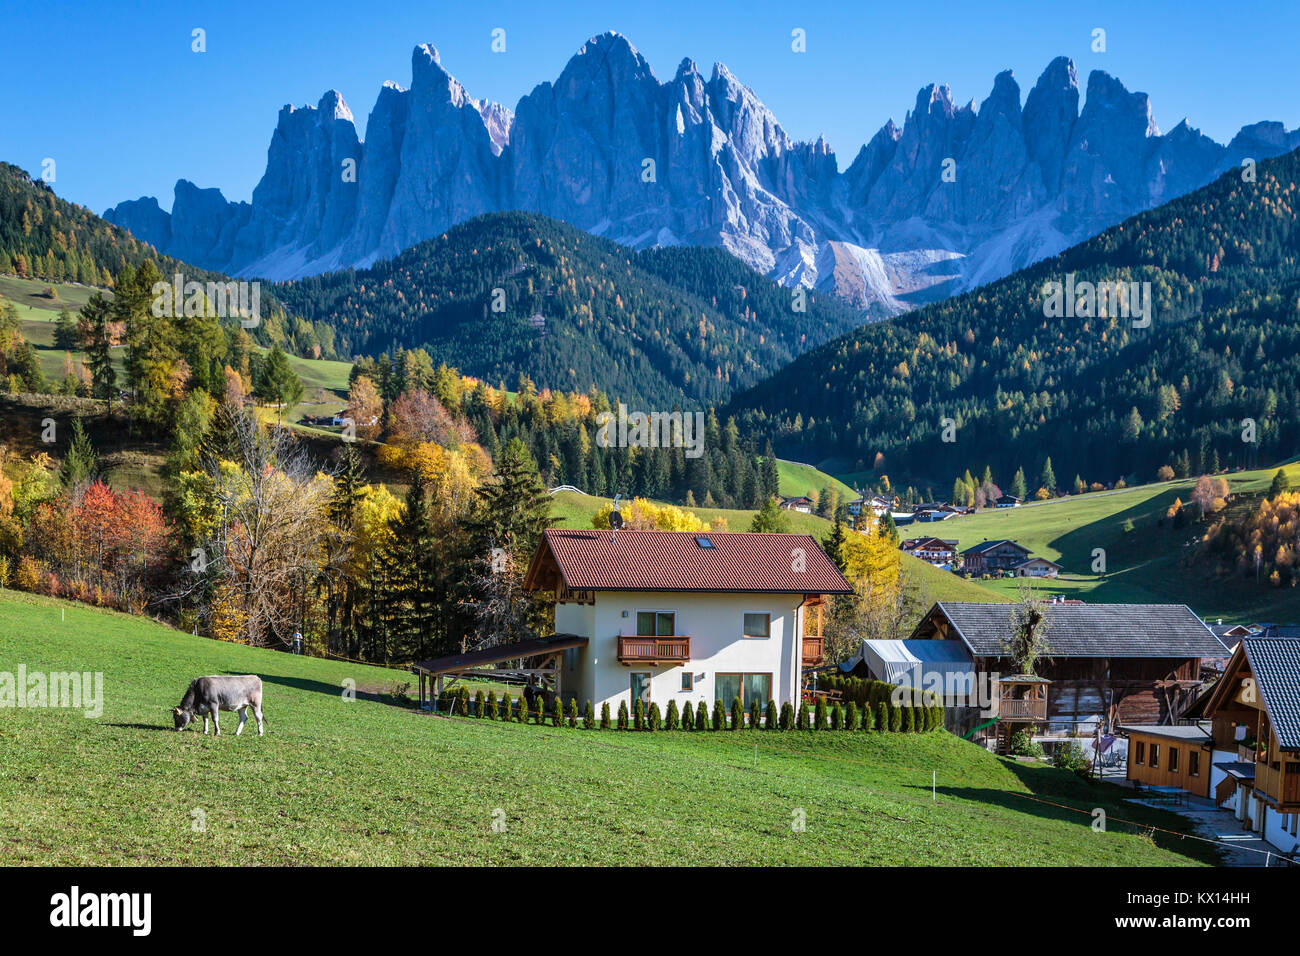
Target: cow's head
x,y
182,717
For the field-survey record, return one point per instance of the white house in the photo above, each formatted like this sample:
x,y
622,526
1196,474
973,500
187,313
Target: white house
x,y
685,616
1038,568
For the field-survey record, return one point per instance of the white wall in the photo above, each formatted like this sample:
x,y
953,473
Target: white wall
x,y
715,624
1277,830
1217,775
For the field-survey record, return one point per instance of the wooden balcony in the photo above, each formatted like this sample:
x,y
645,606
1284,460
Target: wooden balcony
x,y
1282,788
654,650
813,651
1023,709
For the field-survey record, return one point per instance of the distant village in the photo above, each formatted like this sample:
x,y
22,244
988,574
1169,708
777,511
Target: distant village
x,y
997,558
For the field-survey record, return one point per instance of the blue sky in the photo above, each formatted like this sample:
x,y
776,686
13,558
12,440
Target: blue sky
x,y
113,93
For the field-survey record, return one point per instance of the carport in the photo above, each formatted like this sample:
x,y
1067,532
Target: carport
x,y
539,663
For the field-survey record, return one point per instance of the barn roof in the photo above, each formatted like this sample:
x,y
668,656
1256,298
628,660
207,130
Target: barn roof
x,y
987,545
1084,630
686,561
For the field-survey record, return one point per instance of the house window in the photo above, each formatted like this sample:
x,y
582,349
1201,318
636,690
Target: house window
x,y
748,687
1173,759
758,625
640,687
656,623
688,680
1194,762
1141,752
1155,757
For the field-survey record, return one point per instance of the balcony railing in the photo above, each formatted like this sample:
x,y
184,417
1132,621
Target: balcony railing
x,y
812,651
654,650
1270,782
1022,710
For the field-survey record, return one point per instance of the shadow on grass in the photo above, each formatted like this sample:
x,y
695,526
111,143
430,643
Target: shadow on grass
x,y
1079,798
363,691
172,728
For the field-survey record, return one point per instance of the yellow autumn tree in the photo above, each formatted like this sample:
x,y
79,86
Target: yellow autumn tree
x,y
646,515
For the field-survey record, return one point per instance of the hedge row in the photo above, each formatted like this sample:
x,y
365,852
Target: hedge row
x,y
867,692
883,715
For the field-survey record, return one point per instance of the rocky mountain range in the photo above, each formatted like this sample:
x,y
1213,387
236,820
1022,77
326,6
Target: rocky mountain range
x,y
955,197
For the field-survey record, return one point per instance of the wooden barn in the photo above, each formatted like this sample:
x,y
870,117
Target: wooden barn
x,y
1108,664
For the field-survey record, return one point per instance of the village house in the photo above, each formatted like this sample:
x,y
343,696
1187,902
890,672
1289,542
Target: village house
x,y
1170,756
685,616
1106,665
801,504
1008,501
1254,714
939,552
936,512
989,557
1037,568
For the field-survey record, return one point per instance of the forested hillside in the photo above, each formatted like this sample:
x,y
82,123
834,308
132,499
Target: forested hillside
x,y
676,326
1102,398
48,238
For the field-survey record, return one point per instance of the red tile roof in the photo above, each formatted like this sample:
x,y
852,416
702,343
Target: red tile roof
x,y
674,561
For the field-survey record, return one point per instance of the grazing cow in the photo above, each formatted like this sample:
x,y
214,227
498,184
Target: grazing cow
x,y
207,695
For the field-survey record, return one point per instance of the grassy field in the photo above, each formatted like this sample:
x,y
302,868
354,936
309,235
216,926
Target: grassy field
x,y
576,511
372,782
1144,564
796,478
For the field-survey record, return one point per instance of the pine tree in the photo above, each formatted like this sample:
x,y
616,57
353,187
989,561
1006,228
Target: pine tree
x,y
65,331
770,718
833,545
1049,476
95,332
1018,488
277,383
588,718
80,463
770,518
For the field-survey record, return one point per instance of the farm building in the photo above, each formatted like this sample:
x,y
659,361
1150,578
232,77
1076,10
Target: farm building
x,y
990,556
939,552
686,616
1108,664
1170,756
1037,568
